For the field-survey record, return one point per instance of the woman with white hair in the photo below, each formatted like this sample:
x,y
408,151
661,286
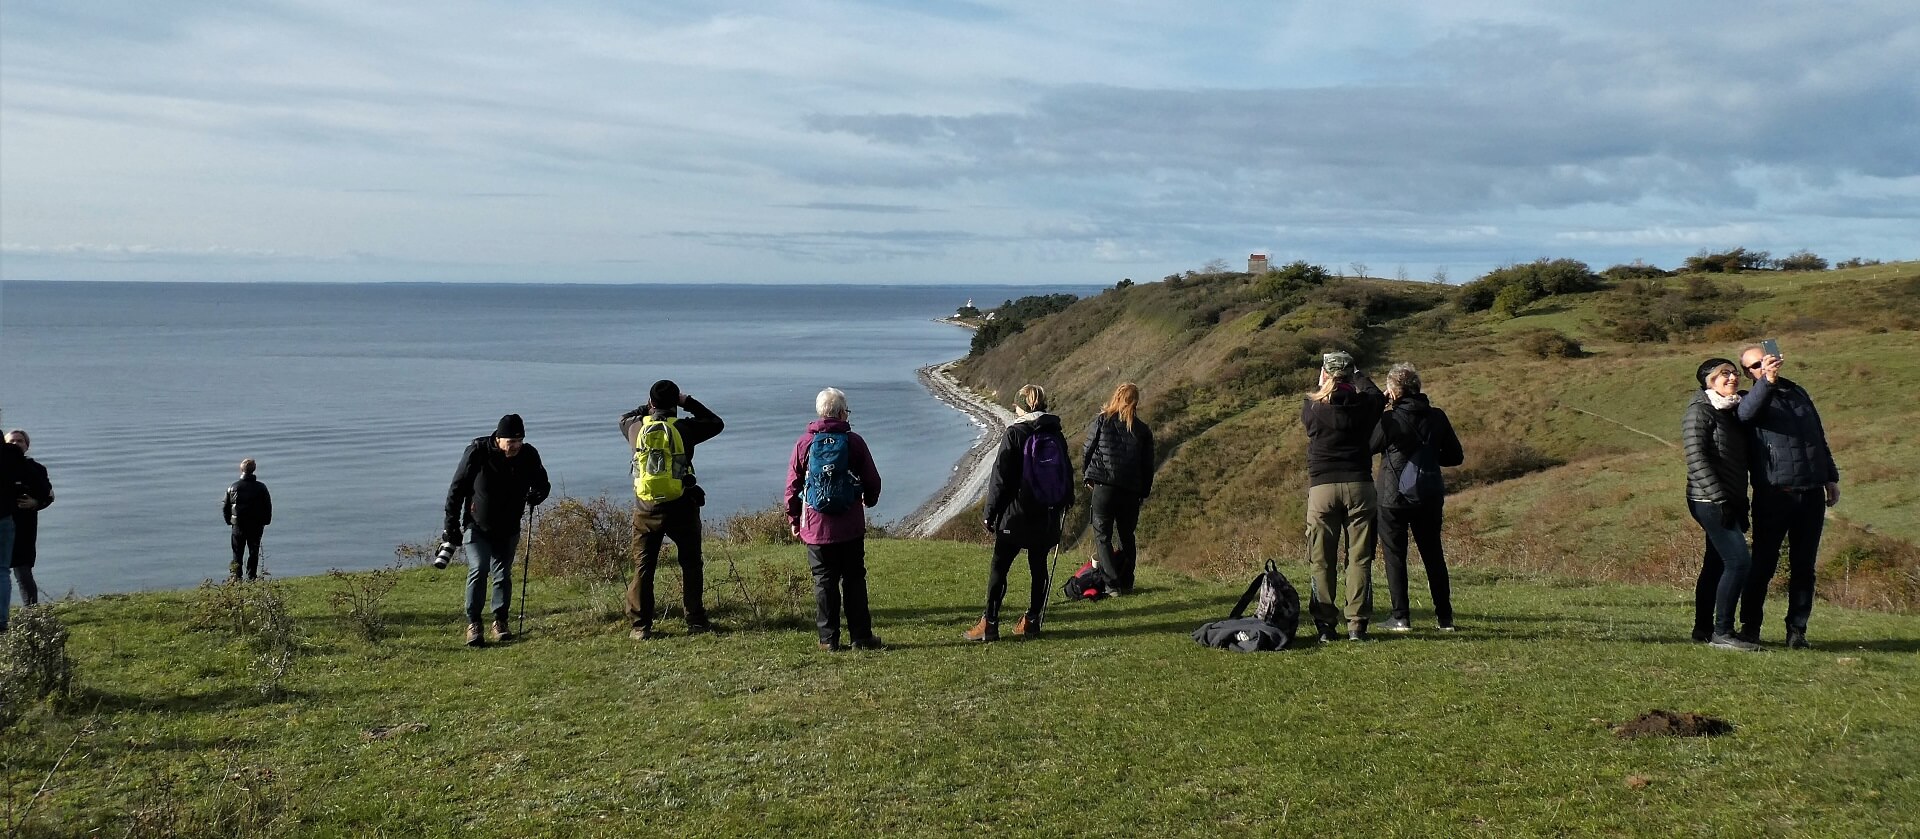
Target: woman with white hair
x,y
831,480
1414,440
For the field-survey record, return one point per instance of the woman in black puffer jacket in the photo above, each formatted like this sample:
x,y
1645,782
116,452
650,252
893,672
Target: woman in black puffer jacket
x,y
1117,464
1716,449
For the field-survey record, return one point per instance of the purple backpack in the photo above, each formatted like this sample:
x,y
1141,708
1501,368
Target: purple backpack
x,y
1044,469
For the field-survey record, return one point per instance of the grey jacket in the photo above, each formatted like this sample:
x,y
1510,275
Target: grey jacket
x,y
1716,447
1789,446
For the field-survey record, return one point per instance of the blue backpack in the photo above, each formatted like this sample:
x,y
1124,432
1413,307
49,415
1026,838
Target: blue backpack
x,y
831,487
1045,470
1420,481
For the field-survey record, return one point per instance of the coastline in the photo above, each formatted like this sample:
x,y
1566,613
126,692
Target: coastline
x,y
968,481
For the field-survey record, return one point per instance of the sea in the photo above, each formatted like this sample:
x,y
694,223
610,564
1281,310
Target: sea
x,y
357,399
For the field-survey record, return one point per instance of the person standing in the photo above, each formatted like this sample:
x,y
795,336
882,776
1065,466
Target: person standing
x,y
1031,485
1117,464
1340,416
669,499
498,478
1794,481
1716,451
248,509
36,495
1413,433
12,471
831,480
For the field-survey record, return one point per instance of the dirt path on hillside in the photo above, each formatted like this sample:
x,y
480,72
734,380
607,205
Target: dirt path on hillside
x,y
969,480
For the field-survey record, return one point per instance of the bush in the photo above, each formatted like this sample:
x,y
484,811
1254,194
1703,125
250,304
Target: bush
x,y
361,599
1728,262
1802,260
590,539
1494,459
1532,281
1656,310
767,526
255,613
1868,570
33,662
1548,343
1636,271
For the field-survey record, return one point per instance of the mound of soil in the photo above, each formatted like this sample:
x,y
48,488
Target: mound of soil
x,y
1659,723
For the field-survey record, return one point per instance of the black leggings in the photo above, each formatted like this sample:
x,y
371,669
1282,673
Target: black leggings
x,y
1004,550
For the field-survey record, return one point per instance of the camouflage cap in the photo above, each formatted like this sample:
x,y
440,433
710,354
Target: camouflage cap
x,y
1337,363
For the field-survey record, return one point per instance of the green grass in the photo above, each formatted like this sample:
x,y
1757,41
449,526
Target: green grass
x,y
1116,724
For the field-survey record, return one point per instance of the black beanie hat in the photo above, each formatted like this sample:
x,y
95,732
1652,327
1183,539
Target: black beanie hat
x,y
510,426
664,395
1709,366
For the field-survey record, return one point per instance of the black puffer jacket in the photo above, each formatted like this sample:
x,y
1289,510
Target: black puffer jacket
x,y
248,503
1400,432
491,490
1117,456
1339,433
1789,445
1011,509
1716,447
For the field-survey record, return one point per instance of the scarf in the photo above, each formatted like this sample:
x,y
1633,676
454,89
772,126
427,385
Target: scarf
x,y
1722,403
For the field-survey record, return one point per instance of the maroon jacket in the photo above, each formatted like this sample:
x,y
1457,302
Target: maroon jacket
x,y
817,528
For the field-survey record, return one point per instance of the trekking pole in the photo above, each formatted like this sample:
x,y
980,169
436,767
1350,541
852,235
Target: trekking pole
x,y
526,560
1051,570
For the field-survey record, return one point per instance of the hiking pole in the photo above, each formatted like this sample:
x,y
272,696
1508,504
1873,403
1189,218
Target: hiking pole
x,y
1051,570
526,559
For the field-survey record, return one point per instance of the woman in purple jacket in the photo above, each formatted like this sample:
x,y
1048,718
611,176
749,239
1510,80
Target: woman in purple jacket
x,y
831,481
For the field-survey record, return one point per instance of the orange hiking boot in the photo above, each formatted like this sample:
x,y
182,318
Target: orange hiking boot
x,y
984,631
1028,627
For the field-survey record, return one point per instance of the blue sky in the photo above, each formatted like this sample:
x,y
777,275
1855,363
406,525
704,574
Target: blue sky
x,y
959,141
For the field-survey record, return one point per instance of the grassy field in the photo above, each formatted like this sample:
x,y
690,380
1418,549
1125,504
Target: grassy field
x,y
1114,724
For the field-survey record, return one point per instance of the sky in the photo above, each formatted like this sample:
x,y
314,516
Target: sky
x,y
942,141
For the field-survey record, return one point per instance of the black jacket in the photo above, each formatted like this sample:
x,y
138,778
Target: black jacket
x,y
1716,448
490,491
29,478
1399,434
702,426
1340,434
1011,509
1789,446
1120,457
248,503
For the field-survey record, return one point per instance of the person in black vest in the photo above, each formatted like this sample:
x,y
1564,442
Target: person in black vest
x,y
248,509
36,493
1717,456
498,478
654,522
1117,464
1340,416
1018,520
1412,425
1794,481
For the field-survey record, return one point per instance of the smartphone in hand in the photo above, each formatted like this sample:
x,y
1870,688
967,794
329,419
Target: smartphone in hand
x,y
1771,347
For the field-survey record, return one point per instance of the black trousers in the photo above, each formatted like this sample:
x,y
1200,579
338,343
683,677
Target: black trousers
x,y
1004,550
1424,523
682,525
246,540
1116,512
1796,518
840,579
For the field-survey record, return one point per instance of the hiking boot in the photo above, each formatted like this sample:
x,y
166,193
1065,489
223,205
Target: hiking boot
x,y
1397,625
871,642
1447,627
643,633
1798,641
1028,626
501,634
696,626
984,631
1357,631
1327,635
1702,636
1733,642
831,647
474,638
1750,635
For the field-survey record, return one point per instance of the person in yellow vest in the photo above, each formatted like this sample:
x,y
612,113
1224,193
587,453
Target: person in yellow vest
x,y
669,499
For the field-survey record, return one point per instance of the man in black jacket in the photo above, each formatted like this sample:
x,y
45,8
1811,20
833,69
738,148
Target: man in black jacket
x,y
12,471
36,492
248,509
1794,481
499,477
657,518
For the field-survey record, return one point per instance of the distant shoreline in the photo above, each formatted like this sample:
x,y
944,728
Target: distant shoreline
x,y
969,479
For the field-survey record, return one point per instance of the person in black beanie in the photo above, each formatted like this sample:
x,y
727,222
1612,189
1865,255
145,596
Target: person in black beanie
x,y
1716,451
669,499
1794,481
498,478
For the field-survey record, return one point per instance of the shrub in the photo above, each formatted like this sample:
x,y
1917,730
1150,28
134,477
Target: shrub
x,y
589,539
361,599
766,526
1531,281
1802,260
1857,262
33,662
1728,262
1730,331
1492,459
1657,310
1636,271
1548,343
255,613
1012,317
1868,570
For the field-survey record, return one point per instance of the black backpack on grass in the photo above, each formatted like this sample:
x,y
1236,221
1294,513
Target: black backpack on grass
x,y
1089,583
1276,617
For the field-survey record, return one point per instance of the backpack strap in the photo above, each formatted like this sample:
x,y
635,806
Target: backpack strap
x,y
1240,608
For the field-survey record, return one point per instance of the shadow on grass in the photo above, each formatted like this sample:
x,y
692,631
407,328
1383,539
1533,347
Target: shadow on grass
x,y
226,698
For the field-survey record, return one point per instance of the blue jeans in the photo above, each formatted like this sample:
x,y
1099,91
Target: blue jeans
x,y
1724,571
6,580
1796,518
490,554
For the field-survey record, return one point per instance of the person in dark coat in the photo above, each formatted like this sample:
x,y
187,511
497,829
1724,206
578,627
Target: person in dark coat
x,y
1117,464
677,519
836,541
1412,424
1340,416
12,471
248,509
1716,451
36,493
1794,482
498,479
1018,520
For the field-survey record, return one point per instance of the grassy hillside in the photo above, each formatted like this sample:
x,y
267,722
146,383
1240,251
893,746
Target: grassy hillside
x,y
1115,724
1572,464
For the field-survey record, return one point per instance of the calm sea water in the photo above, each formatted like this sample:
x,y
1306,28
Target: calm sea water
x,y
357,400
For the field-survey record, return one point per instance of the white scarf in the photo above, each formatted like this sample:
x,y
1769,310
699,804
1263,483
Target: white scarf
x,y
1722,402
1030,416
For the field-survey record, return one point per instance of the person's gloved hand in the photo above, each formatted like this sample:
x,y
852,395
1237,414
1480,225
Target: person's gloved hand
x,y
535,496
1733,515
451,536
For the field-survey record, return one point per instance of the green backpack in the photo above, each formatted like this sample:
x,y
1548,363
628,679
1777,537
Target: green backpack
x,y
660,462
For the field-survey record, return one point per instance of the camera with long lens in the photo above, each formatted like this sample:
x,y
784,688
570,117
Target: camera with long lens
x,y
445,554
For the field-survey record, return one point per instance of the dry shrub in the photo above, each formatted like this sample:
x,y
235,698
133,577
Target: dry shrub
x,y
33,662
1730,331
1548,343
361,600
766,526
1867,570
589,539
255,613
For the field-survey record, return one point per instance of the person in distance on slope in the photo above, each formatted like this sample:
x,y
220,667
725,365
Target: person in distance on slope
x,y
1340,416
669,499
36,495
1117,464
248,509
1716,452
1413,434
1031,486
831,480
498,478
